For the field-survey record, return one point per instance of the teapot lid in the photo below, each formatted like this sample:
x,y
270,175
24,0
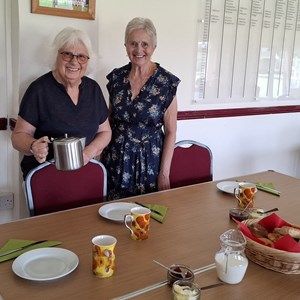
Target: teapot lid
x,y
65,139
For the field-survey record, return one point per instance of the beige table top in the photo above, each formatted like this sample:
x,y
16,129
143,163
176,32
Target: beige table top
x,y
196,217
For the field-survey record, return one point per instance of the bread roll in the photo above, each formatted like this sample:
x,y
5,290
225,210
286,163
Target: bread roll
x,y
258,230
266,241
274,236
292,231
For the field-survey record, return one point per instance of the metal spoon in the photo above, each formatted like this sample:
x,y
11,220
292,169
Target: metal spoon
x,y
170,270
245,207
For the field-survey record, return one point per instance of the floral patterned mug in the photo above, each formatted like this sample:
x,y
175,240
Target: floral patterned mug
x,y
104,255
245,194
138,223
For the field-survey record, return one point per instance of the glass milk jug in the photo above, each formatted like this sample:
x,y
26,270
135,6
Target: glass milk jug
x,y
231,262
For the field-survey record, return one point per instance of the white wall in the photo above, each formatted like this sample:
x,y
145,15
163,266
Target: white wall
x,y
244,145
240,145
176,30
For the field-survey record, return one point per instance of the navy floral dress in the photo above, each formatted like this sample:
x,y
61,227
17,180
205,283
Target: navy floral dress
x,y
133,156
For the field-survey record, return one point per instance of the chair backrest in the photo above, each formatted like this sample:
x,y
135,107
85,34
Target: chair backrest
x,y
191,164
49,190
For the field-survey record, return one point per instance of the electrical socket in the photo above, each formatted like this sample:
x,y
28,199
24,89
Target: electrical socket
x,y
6,201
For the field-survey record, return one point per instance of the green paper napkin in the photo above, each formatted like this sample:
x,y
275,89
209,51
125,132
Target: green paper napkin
x,y
162,209
15,244
267,187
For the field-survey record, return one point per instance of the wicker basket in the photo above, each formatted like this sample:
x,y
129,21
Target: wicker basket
x,y
270,258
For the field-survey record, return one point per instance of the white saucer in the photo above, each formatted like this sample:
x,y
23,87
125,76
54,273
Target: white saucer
x,y
227,186
45,264
116,211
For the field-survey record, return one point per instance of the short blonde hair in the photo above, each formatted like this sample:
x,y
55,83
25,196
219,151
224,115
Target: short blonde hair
x,y
141,23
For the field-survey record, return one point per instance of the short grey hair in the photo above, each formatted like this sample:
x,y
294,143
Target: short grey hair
x,y
141,23
69,37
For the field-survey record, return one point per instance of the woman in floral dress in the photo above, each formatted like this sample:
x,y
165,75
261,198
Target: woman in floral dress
x,y
143,117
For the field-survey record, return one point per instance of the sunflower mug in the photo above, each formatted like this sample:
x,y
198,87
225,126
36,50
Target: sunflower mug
x,y
245,194
104,255
138,222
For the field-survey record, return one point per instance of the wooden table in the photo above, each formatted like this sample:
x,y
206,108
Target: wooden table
x,y
197,216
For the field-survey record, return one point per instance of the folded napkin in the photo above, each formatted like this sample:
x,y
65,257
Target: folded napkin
x,y
267,187
160,208
15,244
155,207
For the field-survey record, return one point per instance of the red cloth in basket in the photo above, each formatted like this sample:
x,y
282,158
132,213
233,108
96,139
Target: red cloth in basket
x,y
286,243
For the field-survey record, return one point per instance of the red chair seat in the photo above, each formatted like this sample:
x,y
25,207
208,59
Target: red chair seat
x,y
191,164
49,190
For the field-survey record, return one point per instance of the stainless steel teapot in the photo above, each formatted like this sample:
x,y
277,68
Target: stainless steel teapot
x,y
68,153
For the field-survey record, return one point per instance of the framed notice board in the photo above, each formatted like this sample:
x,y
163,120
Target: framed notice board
x,y
247,50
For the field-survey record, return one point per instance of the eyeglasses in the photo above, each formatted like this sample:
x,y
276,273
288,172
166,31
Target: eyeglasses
x,y
68,56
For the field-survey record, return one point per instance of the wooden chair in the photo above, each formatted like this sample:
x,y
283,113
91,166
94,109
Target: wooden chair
x,y
50,190
191,164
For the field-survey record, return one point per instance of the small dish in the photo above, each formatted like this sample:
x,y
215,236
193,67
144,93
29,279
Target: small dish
x,y
187,290
179,272
239,214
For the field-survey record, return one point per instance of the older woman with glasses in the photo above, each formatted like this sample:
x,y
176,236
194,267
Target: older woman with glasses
x,y
62,101
143,118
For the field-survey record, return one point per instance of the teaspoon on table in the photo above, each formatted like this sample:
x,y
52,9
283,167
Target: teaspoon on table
x,y
170,270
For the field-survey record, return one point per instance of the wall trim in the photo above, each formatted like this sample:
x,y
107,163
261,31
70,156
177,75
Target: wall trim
x,y
222,113
236,112
3,123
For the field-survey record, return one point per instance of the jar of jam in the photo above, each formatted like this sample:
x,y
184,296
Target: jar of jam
x,y
179,272
239,214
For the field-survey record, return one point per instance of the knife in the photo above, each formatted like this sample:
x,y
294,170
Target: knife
x,y
21,248
152,210
211,286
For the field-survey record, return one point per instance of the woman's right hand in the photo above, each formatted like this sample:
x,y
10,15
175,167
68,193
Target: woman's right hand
x,y
40,149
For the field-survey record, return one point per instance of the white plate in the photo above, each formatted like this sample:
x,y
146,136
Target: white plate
x,y
116,211
227,186
45,264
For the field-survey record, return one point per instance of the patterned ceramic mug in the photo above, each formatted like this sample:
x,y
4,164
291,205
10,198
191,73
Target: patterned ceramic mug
x,y
245,194
138,223
104,255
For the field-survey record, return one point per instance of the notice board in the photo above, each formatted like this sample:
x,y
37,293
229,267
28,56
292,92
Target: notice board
x,y
247,50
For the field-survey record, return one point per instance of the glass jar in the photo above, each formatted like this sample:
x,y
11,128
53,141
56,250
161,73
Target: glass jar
x,y
179,272
186,290
239,214
231,262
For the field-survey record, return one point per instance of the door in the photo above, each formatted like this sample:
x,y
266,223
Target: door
x,y
7,154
